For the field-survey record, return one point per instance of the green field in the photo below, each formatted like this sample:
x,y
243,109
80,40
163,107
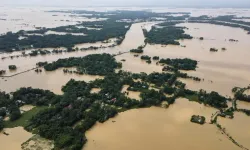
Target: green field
x,y
24,120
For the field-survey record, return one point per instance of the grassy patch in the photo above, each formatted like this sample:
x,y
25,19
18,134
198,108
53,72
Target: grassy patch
x,y
24,120
193,98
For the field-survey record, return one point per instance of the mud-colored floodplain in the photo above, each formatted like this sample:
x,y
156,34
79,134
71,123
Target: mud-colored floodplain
x,y
131,94
52,81
220,70
38,143
238,128
16,137
95,90
25,108
158,128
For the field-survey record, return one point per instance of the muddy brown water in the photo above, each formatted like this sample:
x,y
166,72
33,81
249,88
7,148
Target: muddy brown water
x,y
56,79
16,137
158,128
155,128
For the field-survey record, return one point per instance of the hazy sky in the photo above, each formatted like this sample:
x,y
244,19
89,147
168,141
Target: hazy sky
x,y
194,3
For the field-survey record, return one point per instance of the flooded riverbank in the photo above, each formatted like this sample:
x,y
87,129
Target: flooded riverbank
x,y
158,128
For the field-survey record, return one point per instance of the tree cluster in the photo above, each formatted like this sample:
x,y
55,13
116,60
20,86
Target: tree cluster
x,y
166,35
95,64
180,64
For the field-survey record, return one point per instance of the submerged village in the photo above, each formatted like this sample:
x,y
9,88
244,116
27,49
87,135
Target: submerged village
x,y
125,79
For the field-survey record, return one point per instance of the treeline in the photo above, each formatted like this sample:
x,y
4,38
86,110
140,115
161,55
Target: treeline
x,y
216,22
95,64
110,29
130,15
212,99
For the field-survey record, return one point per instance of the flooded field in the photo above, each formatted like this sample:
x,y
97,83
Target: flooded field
x,y
131,94
95,90
158,128
25,108
22,18
52,81
15,138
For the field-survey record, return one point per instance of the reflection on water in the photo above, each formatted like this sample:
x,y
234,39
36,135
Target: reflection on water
x,y
16,137
158,128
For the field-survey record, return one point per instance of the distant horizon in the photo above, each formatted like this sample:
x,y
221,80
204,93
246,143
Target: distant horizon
x,y
127,6
133,5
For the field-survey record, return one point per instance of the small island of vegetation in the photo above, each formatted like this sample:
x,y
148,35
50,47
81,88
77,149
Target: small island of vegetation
x,y
12,67
166,35
198,119
181,64
145,57
136,51
213,50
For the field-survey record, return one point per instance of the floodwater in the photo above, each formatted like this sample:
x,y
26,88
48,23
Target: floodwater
x,y
16,137
64,33
97,44
238,128
158,128
131,94
23,18
136,65
149,128
52,81
221,70
55,80
25,108
95,90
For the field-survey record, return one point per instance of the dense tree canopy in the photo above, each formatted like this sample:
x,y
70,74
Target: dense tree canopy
x,y
166,35
182,64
